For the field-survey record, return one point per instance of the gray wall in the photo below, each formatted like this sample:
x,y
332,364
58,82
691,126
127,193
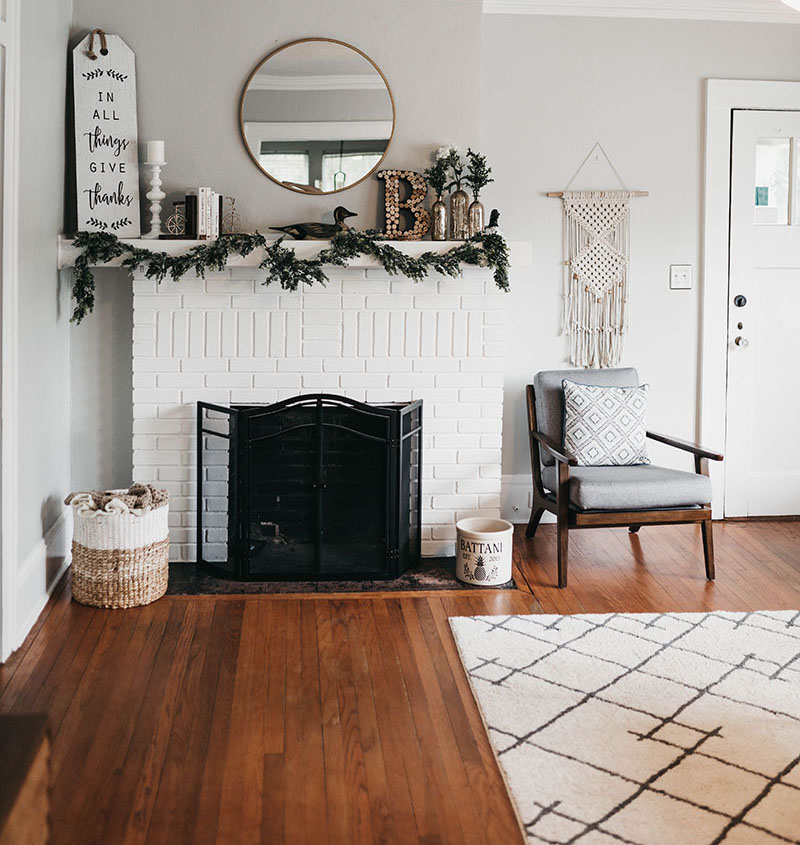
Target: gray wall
x,y
101,387
190,98
43,358
551,87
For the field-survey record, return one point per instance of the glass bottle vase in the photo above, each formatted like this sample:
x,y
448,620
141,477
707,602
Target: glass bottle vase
x,y
459,224
476,215
439,221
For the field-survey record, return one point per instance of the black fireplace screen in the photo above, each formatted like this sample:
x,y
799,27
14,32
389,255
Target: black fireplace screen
x,y
314,487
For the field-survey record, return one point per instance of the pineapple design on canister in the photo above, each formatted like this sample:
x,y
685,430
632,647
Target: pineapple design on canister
x,y
480,569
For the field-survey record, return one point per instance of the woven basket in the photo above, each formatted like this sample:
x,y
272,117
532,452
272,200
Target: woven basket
x,y
120,559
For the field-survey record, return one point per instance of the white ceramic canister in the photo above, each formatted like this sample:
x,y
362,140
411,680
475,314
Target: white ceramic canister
x,y
483,551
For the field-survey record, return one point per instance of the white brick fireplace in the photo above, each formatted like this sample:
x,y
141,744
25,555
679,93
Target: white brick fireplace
x,y
366,335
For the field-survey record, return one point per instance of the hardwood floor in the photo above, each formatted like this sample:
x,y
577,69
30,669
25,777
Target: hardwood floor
x,y
340,719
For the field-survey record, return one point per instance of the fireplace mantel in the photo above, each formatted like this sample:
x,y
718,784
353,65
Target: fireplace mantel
x,y
519,251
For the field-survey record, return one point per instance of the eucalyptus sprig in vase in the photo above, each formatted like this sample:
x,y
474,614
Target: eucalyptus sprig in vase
x,y
436,176
459,199
479,174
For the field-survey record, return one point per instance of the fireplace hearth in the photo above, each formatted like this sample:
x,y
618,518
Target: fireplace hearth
x,y
315,487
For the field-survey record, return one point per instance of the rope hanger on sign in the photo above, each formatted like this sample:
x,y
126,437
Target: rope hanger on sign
x,y
103,44
597,254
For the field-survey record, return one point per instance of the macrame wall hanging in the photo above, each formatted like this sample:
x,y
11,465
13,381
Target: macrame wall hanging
x,y
597,253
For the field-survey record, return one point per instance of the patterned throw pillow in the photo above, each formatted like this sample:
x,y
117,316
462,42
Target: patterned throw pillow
x,y
605,426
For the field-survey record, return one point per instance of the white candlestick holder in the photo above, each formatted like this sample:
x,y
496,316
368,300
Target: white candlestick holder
x,y
155,195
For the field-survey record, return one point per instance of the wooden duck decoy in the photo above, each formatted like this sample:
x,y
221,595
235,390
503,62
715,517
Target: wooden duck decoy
x,y
318,231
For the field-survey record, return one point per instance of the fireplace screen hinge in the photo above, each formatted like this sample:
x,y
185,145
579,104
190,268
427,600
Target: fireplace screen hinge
x,y
394,554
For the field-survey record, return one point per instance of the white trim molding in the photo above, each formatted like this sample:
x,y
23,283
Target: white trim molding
x,y
765,11
723,96
9,317
39,574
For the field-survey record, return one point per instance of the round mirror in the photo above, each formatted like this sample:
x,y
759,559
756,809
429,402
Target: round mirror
x,y
317,116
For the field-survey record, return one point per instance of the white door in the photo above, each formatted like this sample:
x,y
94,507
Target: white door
x,y
762,453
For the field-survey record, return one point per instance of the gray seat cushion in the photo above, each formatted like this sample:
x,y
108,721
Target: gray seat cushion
x,y
631,488
549,392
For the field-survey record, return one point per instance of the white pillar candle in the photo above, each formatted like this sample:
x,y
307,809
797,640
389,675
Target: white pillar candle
x,y
155,152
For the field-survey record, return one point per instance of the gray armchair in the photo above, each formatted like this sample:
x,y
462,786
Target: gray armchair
x,y
608,496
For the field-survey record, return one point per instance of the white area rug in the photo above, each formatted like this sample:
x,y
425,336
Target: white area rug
x,y
678,729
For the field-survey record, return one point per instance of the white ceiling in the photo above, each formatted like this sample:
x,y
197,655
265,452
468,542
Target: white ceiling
x,y
773,11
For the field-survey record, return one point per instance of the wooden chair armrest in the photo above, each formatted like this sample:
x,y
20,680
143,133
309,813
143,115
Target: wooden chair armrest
x,y
561,455
685,446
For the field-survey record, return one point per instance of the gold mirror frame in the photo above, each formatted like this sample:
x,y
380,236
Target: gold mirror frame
x,y
246,86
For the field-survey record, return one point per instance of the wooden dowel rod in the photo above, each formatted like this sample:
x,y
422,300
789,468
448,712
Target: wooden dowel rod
x,y
560,194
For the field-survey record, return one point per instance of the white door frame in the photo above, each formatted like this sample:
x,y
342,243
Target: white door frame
x,y
722,97
9,241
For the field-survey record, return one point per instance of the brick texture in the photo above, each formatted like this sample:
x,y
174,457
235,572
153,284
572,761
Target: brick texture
x,y
366,336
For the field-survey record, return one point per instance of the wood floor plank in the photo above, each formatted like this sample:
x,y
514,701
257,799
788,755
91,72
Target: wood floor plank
x,y
336,796
272,806
355,773
56,695
28,656
222,679
175,801
382,822
336,718
401,758
481,774
243,771
136,791
112,736
398,708
88,706
437,763
444,737
305,809
273,615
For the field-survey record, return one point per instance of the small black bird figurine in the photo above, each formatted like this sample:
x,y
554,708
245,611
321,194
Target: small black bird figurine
x,y
318,231
494,219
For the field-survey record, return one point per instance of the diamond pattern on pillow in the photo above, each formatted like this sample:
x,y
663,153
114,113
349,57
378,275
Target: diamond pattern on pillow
x,y
605,426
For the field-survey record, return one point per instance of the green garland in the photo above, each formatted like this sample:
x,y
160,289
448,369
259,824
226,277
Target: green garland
x,y
487,249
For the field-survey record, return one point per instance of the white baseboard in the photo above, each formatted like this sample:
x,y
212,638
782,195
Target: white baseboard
x,y
39,573
516,499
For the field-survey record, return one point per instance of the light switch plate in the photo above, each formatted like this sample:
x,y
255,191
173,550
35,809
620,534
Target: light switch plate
x,y
680,276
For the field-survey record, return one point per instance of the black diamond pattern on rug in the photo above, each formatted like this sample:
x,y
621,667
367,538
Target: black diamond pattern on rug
x,y
643,729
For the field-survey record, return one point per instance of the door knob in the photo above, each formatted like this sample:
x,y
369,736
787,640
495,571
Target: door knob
x,y
742,342
740,301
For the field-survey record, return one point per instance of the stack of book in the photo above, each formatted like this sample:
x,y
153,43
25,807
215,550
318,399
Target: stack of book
x,y
203,214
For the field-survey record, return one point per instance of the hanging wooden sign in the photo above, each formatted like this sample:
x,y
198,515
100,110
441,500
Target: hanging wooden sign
x,y
412,205
106,137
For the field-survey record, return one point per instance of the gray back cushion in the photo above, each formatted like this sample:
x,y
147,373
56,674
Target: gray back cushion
x,y
550,396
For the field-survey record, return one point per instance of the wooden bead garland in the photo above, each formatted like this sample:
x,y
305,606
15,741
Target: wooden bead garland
x,y
394,205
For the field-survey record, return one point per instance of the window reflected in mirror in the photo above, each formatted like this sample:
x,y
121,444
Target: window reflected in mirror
x,y
317,116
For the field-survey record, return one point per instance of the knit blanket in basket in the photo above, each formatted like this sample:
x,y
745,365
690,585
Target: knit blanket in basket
x,y
138,499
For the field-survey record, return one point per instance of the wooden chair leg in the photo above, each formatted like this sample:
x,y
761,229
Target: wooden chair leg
x,y
708,548
533,522
562,504
634,529
563,551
